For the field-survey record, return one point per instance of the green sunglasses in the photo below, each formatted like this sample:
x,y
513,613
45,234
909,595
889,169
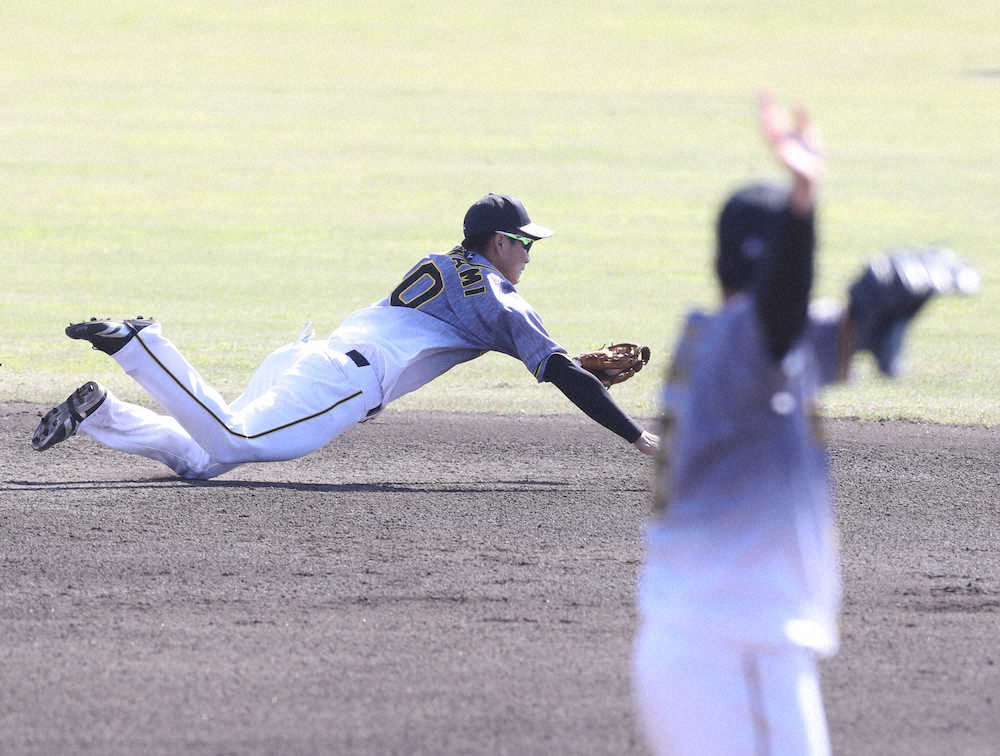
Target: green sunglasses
x,y
525,240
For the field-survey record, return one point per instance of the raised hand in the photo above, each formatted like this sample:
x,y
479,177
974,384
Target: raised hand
x,y
795,144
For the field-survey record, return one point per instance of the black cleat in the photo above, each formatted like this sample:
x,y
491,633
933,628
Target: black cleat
x,y
108,335
60,423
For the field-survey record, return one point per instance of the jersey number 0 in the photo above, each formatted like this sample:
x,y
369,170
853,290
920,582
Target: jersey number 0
x,y
420,286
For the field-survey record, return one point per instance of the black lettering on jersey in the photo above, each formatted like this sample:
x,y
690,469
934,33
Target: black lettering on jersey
x,y
419,287
470,277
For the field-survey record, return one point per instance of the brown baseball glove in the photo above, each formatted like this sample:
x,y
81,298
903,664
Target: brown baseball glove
x,y
614,363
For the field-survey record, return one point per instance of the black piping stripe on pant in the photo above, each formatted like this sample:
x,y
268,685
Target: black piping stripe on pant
x,y
221,422
755,692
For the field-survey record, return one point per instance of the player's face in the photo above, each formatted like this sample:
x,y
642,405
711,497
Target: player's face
x,y
512,257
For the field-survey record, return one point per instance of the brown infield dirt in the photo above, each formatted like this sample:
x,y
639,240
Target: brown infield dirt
x,y
439,583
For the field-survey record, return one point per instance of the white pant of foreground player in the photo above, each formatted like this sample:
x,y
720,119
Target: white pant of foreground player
x,y
301,397
698,697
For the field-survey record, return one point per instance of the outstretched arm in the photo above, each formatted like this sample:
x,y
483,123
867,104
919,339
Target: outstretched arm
x,y
586,392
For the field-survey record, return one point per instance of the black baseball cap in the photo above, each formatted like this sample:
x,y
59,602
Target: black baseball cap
x,y
746,232
501,212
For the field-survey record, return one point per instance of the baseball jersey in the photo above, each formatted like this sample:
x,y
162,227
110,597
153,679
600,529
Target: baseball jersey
x,y
742,543
449,308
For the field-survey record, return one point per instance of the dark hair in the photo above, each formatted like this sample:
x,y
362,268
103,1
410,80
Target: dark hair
x,y
745,233
478,242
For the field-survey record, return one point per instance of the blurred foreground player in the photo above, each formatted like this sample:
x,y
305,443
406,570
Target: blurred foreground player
x,y
740,588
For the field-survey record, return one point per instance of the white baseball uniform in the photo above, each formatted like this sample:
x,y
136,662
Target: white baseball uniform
x,y
448,309
740,588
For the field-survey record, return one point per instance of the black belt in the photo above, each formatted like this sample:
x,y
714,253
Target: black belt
x,y
359,359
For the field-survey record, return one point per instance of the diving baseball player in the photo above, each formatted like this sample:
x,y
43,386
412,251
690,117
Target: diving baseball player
x,y
449,308
740,590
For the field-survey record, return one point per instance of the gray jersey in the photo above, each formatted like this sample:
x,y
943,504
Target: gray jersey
x,y
743,539
449,308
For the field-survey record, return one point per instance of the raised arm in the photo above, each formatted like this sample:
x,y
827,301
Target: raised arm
x,y
782,291
795,144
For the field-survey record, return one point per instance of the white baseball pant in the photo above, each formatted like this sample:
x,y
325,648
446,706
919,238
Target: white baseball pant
x,y
697,696
302,396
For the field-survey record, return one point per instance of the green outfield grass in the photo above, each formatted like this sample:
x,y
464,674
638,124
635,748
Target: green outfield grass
x,y
235,168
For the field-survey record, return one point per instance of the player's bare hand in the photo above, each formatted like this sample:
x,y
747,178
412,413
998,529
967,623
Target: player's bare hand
x,y
648,443
795,144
